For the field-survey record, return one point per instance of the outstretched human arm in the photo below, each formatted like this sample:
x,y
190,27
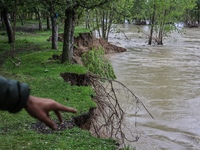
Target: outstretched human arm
x,y
40,107
15,95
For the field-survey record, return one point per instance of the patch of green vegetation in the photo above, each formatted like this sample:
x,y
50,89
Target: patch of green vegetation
x,y
43,76
71,139
95,62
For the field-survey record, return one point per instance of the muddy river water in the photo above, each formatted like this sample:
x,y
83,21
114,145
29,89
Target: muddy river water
x,y
167,80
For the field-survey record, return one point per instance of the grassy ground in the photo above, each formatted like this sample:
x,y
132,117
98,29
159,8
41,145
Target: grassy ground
x,y
43,76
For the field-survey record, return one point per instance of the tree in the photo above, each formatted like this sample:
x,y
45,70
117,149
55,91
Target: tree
x,y
104,20
109,14
192,18
55,10
6,19
5,8
52,10
163,15
70,18
138,12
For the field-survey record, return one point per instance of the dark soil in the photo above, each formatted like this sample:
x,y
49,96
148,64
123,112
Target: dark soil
x,y
42,128
75,79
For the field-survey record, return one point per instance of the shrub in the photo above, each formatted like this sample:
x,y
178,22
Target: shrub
x,y
96,63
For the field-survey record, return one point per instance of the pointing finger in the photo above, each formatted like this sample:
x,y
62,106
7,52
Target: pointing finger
x,y
65,108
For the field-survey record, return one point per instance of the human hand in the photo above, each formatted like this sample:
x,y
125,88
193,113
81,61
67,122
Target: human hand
x,y
40,107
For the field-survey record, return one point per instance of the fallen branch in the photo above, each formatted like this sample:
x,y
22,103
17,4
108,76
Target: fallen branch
x,y
16,63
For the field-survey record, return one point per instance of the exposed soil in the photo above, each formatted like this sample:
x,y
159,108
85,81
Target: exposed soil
x,y
42,128
85,42
75,79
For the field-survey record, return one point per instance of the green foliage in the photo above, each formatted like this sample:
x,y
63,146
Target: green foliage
x,y
95,62
168,11
163,15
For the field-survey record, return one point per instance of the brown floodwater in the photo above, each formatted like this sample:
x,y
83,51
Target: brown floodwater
x,y
167,79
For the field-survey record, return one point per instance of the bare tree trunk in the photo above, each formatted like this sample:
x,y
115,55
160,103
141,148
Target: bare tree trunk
x,y
48,23
39,17
160,37
152,25
1,18
8,26
40,21
20,17
14,25
87,19
110,24
68,43
106,25
103,25
161,30
54,33
198,15
97,22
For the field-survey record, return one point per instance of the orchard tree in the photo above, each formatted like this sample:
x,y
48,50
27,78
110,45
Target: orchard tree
x,y
6,7
109,14
192,17
163,15
198,11
138,13
70,17
104,17
52,10
55,10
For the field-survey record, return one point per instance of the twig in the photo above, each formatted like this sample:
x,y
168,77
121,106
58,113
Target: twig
x,y
109,115
16,63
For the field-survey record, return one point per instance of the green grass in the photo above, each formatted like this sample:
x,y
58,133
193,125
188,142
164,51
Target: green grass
x,y
71,139
43,77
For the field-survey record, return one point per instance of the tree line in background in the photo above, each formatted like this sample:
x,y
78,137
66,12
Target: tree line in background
x,y
98,15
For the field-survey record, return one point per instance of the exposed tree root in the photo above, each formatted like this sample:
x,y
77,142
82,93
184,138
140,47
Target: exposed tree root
x,y
108,120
